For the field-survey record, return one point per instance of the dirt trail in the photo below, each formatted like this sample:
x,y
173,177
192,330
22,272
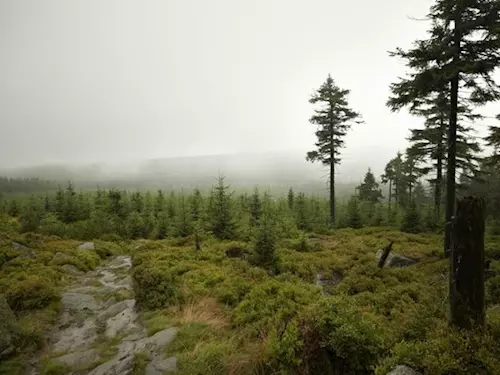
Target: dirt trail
x,y
99,332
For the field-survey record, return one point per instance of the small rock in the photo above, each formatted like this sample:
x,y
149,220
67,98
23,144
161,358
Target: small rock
x,y
122,322
110,302
107,276
136,336
122,261
79,301
123,362
87,246
159,366
65,320
403,370
59,255
164,337
141,345
18,246
116,309
396,260
117,366
79,358
26,251
8,328
126,282
28,254
75,337
69,268
112,286
153,343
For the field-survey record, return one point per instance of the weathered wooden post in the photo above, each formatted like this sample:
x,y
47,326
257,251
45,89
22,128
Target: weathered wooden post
x,y
467,264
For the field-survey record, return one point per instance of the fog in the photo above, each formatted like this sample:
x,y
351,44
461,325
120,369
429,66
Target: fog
x,y
120,82
277,171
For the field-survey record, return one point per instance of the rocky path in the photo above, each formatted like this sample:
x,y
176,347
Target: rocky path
x,y
100,333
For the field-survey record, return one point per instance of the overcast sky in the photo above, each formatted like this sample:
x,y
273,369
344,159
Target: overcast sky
x,y
93,80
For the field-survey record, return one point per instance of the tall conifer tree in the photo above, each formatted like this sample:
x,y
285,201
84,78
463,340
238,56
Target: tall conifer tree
x,y
333,118
459,57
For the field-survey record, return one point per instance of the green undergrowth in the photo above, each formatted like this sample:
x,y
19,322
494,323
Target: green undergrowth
x,y
206,342
236,318
55,368
31,280
141,361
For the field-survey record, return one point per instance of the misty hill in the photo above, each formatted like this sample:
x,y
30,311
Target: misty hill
x,y
278,170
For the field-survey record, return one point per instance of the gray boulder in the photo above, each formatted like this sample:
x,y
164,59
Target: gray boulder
x,y
59,255
77,336
79,301
116,309
18,246
69,268
123,321
396,260
403,370
26,252
79,358
87,246
121,261
8,328
159,366
164,337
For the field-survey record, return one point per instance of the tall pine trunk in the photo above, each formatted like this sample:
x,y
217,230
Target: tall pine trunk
x,y
397,200
439,170
389,218
452,135
332,188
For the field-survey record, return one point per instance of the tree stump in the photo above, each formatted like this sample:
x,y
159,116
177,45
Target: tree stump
x,y
467,264
385,254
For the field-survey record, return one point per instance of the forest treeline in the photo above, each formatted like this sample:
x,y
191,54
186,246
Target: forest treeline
x,y
26,185
40,184
72,213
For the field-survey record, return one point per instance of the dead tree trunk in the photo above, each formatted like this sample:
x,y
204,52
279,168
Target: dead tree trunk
x,y
385,254
467,264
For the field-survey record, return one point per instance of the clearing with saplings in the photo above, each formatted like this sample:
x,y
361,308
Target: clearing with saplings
x,y
164,268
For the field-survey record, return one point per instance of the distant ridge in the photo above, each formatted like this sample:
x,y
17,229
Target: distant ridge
x,y
272,168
